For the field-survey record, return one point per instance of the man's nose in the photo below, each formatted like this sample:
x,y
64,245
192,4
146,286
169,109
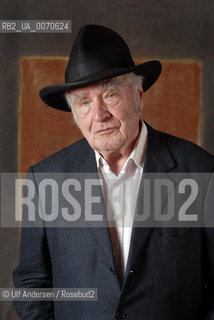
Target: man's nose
x,y
100,110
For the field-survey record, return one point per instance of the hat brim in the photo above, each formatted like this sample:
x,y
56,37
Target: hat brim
x,y
54,97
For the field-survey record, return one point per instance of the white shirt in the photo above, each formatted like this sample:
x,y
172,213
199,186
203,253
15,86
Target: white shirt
x,y
120,195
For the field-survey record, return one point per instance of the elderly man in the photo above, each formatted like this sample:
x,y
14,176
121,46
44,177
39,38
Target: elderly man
x,y
139,273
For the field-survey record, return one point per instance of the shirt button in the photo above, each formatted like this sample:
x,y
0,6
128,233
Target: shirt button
x,y
111,270
131,272
120,315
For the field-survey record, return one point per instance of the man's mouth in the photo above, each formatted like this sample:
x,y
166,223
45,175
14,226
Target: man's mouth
x,y
105,131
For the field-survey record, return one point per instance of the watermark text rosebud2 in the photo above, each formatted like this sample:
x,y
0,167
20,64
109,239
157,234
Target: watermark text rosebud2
x,y
76,200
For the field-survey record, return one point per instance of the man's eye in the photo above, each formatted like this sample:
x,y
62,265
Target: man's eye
x,y
84,106
84,103
112,98
111,95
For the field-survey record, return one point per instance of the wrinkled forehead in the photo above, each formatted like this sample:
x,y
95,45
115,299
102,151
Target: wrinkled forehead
x,y
119,81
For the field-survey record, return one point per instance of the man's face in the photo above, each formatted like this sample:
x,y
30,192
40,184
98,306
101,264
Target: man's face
x,y
106,113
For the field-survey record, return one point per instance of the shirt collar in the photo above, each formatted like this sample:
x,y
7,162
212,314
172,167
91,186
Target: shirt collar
x,y
137,154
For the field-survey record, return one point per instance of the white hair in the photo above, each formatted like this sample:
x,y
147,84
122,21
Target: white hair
x,y
136,82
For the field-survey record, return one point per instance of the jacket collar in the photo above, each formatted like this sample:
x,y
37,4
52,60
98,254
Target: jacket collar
x,y
158,157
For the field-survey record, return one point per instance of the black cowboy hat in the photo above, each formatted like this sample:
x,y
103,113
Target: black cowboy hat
x,y
98,53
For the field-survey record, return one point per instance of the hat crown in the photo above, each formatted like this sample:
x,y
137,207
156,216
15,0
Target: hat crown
x,y
97,49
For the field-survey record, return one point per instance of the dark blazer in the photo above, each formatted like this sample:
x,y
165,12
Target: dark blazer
x,y
170,271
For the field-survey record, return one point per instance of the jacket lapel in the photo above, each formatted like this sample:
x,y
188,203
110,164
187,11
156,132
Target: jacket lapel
x,y
100,230
158,159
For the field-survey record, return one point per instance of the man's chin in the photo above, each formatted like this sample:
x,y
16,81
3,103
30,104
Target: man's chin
x,y
107,144
106,147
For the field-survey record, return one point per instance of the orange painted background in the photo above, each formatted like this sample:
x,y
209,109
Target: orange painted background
x,y
172,105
